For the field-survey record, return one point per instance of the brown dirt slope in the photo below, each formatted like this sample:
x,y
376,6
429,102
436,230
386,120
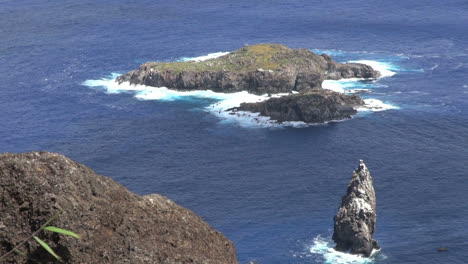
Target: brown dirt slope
x,y
116,226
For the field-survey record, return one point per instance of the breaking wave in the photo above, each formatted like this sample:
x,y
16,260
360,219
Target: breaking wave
x,y
375,105
226,101
386,69
322,247
355,85
350,85
205,57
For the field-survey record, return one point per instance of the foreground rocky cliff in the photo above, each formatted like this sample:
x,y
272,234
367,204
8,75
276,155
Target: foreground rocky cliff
x,y
116,226
356,217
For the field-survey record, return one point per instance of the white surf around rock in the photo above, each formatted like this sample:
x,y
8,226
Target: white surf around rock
x,y
227,101
322,247
205,57
386,69
355,85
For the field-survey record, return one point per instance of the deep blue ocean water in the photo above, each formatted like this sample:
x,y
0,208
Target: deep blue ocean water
x,y
272,191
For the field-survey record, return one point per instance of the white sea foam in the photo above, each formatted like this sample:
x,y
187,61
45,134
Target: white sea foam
x,y
360,90
356,85
351,85
386,69
246,119
110,86
376,105
221,108
204,57
321,246
226,101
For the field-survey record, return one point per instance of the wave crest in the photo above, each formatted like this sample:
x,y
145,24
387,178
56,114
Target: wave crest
x,y
329,255
226,101
355,85
204,57
386,69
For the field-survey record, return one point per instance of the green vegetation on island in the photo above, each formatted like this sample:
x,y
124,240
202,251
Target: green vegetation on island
x,y
245,59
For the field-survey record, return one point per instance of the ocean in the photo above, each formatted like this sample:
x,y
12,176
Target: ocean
x,y
272,189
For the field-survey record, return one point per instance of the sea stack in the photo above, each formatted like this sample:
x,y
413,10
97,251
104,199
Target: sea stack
x,y
356,217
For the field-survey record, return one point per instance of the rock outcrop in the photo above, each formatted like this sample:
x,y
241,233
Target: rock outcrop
x,y
116,226
317,106
258,69
356,217
264,69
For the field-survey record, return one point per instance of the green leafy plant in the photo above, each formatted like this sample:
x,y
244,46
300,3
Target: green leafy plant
x,y
44,227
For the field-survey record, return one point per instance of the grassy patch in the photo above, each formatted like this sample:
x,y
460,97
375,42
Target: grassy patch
x,y
247,58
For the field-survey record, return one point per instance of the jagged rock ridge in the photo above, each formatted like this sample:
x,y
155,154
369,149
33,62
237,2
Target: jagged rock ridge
x,y
354,223
116,226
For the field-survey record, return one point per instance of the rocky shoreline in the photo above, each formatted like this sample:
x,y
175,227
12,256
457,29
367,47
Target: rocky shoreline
x,y
264,69
316,106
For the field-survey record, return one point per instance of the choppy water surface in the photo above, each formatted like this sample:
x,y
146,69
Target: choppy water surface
x,y
272,189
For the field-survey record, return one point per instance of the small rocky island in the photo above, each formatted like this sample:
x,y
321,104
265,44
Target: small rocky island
x,y
356,217
115,225
265,69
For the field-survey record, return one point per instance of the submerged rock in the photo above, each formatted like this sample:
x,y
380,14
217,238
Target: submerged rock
x,y
356,217
316,106
116,226
258,69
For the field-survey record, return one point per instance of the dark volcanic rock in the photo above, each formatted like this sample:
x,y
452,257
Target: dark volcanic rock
x,y
116,226
356,217
316,106
258,69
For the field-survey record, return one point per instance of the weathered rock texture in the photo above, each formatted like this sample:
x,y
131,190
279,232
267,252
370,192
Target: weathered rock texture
x,y
116,226
258,69
356,217
316,106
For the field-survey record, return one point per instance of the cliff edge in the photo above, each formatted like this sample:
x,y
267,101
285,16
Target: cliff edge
x,y
116,226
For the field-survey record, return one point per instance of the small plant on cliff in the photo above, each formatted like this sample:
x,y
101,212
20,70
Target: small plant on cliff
x,y
43,244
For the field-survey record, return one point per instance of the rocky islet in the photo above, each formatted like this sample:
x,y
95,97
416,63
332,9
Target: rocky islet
x,y
265,69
